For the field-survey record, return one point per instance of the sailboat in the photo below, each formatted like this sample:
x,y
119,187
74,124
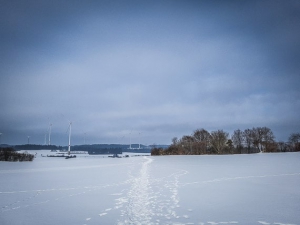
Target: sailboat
x,y
69,147
69,156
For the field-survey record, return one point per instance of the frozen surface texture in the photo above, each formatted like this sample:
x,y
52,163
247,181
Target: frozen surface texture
x,y
207,190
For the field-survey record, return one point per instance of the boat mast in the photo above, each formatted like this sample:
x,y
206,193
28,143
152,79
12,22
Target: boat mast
x,y
50,125
69,148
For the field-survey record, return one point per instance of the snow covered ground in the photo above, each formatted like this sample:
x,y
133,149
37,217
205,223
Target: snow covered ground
x,y
207,190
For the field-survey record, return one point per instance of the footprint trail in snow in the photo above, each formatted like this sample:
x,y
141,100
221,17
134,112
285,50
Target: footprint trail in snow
x,y
150,201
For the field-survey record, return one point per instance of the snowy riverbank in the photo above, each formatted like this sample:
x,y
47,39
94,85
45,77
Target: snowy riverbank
x,y
228,189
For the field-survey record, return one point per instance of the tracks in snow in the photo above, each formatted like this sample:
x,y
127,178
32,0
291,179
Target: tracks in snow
x,y
151,201
139,209
145,197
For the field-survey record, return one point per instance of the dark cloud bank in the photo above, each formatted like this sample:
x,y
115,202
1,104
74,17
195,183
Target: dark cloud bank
x,y
147,70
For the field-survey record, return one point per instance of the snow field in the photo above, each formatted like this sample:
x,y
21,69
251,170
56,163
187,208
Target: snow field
x,y
233,189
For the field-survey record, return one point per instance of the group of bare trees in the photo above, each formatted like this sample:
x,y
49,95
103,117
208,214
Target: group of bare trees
x,y
258,139
294,142
9,154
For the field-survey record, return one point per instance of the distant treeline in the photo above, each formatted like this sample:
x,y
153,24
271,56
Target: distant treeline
x,y
75,147
97,147
9,154
259,139
91,149
37,147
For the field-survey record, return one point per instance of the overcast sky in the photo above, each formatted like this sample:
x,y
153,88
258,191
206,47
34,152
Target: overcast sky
x,y
147,70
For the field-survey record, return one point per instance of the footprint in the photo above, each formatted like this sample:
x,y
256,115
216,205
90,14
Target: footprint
x,y
263,222
283,224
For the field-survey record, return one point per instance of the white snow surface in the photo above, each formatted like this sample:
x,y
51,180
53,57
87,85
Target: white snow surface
x,y
207,190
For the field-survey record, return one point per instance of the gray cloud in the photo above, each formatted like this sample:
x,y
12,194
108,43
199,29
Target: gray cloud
x,y
155,70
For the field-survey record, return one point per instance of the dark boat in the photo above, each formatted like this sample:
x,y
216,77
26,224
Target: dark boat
x,y
70,156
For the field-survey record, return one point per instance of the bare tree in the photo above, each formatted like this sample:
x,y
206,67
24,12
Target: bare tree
x,y
256,135
238,140
229,146
218,140
263,139
201,139
174,141
268,140
187,143
201,135
294,139
283,147
247,136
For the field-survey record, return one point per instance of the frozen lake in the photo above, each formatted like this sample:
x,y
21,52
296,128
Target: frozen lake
x,y
228,189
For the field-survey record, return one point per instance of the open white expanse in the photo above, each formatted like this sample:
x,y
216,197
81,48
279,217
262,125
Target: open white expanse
x,y
230,189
